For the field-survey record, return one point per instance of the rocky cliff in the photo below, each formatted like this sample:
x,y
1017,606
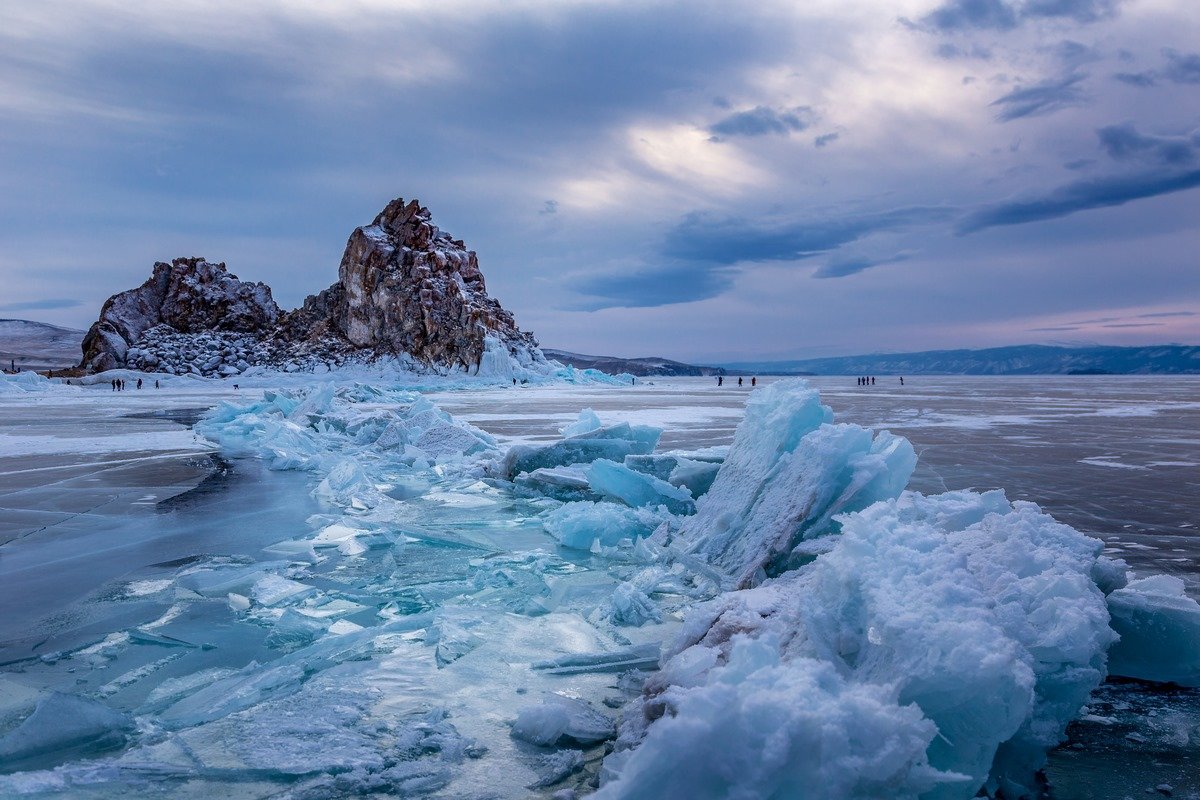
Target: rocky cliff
x,y
405,288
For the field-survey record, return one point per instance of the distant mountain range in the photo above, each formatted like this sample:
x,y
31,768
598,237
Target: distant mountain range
x,y
633,366
1032,359
40,346
37,345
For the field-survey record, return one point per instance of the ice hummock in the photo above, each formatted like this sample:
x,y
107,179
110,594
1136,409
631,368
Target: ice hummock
x,y
981,614
788,473
977,627
425,632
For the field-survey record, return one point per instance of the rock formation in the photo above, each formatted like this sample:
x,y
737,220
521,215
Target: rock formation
x,y
404,289
189,295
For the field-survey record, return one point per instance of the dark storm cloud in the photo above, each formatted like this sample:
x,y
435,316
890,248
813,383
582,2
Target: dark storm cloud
x,y
713,239
1082,11
1124,143
41,305
1182,67
996,15
1142,80
763,120
1041,98
703,249
959,15
655,286
843,267
1080,196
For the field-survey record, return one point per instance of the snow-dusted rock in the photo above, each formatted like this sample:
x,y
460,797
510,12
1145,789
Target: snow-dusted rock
x,y
405,289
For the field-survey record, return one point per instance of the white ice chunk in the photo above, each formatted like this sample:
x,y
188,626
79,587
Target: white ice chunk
x,y
586,423
766,728
1159,627
345,484
274,590
220,581
560,483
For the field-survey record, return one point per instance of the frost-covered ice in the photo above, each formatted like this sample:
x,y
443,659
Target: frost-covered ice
x,y
447,615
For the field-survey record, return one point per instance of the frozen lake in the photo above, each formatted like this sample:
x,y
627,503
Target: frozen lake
x,y
115,515
1115,456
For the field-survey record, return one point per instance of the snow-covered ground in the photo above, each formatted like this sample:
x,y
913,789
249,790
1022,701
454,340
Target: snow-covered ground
x,y
346,588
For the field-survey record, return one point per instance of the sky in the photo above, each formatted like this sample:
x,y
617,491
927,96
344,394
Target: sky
x,y
698,180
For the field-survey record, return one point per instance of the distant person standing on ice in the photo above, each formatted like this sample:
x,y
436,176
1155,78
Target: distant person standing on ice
x,y
139,385
720,380
156,383
739,381
754,381
872,380
901,380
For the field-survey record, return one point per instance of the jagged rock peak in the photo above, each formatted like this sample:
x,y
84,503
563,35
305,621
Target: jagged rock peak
x,y
407,287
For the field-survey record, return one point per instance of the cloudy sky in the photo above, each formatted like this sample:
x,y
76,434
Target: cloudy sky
x,y
693,179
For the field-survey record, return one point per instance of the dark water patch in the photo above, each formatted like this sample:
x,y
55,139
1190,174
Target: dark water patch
x,y
1139,737
220,476
187,417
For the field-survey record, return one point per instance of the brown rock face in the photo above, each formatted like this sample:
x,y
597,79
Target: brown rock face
x,y
407,287
404,288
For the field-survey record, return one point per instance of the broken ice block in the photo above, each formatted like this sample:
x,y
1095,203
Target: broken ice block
x,y
62,727
695,476
788,473
637,489
558,719
579,525
1159,627
274,590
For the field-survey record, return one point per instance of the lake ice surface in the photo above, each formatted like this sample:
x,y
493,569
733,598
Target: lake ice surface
x,y
139,567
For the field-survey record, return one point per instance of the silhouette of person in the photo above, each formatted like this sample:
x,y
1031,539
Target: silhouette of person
x,y
754,381
901,380
720,380
739,381
139,383
156,383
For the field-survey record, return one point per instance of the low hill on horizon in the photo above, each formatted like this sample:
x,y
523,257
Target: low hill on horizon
x,y
33,345
642,367
1033,359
